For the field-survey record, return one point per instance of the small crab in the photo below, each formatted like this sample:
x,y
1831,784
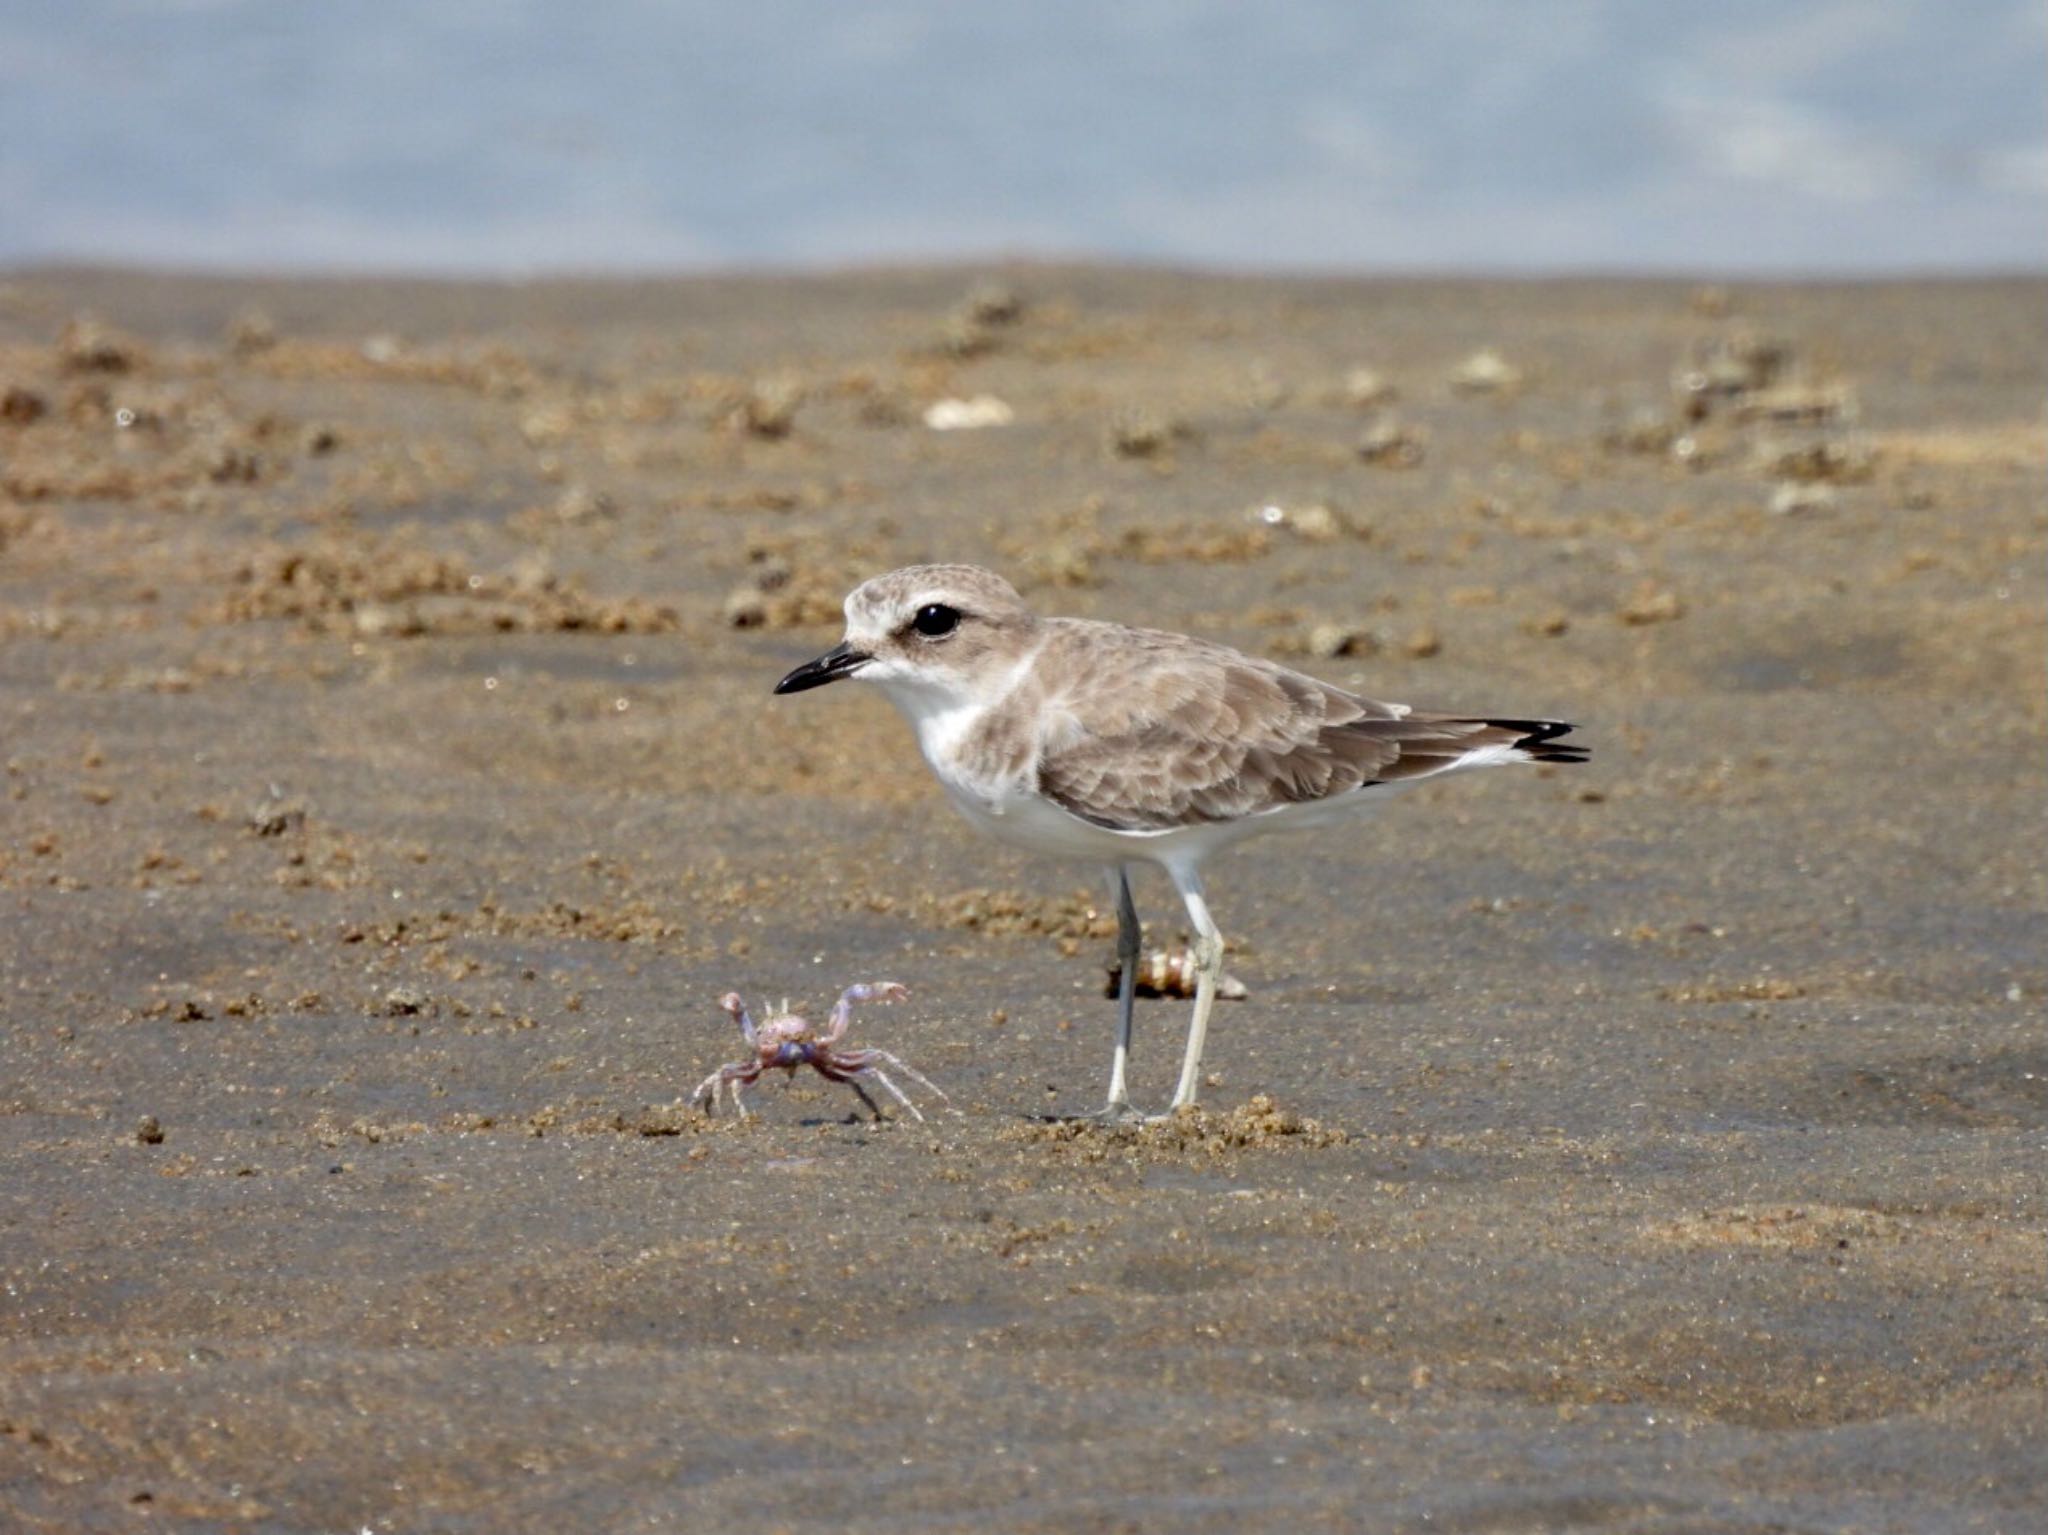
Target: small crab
x,y
786,1040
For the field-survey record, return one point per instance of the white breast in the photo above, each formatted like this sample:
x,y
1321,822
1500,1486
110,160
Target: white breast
x,y
1006,807
944,718
942,725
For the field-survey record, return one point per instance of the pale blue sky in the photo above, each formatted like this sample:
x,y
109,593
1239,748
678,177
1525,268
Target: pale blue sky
x,y
521,135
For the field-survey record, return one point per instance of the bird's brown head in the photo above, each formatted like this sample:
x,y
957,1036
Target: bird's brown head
x,y
936,630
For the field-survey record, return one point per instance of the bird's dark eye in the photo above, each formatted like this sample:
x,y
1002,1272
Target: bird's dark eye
x,y
935,619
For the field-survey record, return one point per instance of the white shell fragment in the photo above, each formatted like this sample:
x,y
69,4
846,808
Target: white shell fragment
x,y
1171,973
968,415
1485,372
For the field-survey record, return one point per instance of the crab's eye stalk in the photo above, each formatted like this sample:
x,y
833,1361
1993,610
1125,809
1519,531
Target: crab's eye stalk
x,y
935,620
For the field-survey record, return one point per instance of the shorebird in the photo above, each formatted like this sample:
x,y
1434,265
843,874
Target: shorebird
x,y
1092,740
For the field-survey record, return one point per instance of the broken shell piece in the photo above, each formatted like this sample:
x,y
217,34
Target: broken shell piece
x,y
1171,973
579,503
1316,523
276,813
386,620
1485,372
1794,497
972,326
1364,389
746,607
1651,604
1326,642
768,410
1389,444
968,415
1734,365
547,423
771,571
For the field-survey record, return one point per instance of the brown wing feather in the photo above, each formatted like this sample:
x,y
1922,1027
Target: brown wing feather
x,y
1164,732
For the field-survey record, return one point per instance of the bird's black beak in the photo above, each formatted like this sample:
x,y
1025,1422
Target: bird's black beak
x,y
842,660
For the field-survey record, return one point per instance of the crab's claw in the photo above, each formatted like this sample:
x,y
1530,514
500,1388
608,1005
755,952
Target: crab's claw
x,y
877,991
738,1010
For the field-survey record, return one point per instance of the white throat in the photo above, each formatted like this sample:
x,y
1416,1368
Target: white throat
x,y
945,713
941,717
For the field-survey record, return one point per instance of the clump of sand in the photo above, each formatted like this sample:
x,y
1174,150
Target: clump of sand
x,y
1260,1124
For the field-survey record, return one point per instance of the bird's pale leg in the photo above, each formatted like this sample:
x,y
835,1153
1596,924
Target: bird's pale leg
x,y
1209,967
1127,937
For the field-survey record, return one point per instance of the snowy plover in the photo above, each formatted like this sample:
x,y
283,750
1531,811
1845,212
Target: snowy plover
x,y
1092,740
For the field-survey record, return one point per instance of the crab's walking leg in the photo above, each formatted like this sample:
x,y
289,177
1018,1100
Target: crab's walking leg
x,y
874,1108
894,1091
915,1075
842,1068
741,1074
738,1081
868,1063
866,991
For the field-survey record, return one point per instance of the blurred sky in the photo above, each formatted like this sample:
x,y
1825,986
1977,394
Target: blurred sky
x,y
524,135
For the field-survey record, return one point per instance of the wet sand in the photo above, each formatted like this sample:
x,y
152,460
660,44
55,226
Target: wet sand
x,y
392,788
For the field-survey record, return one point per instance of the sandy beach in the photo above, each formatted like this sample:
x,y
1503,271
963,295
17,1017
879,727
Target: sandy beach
x,y
392,787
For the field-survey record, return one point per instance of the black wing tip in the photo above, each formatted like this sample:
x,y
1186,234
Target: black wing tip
x,y
1536,737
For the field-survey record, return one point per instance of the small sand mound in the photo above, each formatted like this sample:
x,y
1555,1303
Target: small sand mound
x,y
1259,1125
660,1119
